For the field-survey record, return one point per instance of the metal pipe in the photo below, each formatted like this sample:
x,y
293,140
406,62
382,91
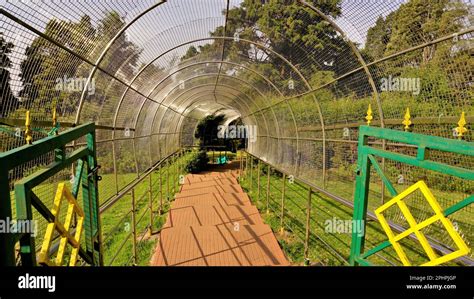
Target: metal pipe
x,y
150,229
268,188
282,211
307,232
258,180
134,229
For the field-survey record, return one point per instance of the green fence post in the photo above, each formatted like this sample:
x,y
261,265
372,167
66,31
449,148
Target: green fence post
x,y
361,198
25,213
93,196
7,243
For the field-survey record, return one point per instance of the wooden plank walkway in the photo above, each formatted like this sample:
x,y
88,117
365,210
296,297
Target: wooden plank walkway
x,y
213,223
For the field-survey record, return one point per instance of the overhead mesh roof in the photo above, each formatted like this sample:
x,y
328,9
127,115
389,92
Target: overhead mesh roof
x,y
154,69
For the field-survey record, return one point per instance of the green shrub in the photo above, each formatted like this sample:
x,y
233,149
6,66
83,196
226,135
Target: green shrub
x,y
198,162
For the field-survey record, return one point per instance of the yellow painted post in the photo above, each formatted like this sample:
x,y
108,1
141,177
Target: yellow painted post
x,y
55,119
461,129
28,137
369,116
407,120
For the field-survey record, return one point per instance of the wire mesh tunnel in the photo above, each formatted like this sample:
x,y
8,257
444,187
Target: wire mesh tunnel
x,y
303,73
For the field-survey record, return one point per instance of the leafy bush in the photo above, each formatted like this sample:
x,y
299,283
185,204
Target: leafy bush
x,y
198,162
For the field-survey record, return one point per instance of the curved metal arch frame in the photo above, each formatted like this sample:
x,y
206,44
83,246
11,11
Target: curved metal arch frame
x,y
258,45
259,92
170,91
223,85
212,62
244,81
270,50
129,85
199,100
231,96
208,92
156,112
239,65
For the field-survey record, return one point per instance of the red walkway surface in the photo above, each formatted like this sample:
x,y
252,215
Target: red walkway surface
x,y
213,223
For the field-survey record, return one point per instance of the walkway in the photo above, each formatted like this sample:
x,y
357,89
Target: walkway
x,y
213,223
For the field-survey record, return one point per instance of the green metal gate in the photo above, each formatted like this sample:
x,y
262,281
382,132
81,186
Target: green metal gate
x,y
372,154
83,159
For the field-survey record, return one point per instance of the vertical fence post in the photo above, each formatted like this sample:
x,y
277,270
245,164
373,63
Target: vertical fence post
x,y
241,166
282,212
246,165
150,229
268,188
175,170
168,180
161,190
251,173
308,218
258,180
134,229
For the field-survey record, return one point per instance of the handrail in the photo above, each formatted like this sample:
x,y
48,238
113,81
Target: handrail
x,y
139,208
105,206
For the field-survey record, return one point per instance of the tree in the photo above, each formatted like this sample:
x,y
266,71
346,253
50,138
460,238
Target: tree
x,y
45,63
191,52
8,102
207,129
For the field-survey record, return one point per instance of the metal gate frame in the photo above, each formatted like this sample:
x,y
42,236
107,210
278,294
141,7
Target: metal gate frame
x,y
86,176
367,158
